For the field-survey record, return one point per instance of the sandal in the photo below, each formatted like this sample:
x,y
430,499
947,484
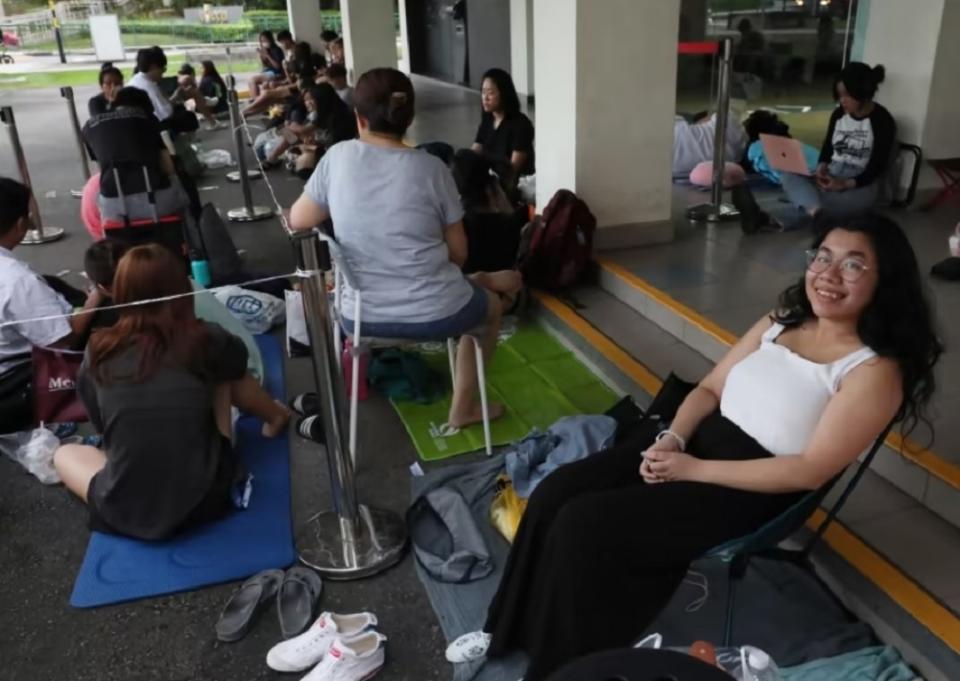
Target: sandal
x,y
245,603
297,600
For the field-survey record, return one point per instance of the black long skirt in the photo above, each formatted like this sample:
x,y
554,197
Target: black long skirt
x,y
599,552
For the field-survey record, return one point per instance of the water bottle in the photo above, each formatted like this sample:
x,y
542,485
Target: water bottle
x,y
200,269
756,665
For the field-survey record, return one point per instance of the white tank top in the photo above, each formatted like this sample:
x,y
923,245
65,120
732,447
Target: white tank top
x,y
777,397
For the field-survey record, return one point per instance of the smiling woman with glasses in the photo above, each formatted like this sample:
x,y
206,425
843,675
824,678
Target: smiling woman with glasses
x,y
605,541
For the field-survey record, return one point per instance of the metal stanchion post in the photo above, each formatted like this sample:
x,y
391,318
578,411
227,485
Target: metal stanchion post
x,y
235,122
717,210
351,540
39,234
67,93
248,212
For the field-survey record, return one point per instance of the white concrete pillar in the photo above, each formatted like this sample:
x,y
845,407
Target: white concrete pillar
x,y
606,76
521,45
306,22
917,43
403,44
369,35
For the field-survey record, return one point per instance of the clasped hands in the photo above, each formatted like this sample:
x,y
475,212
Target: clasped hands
x,y
664,462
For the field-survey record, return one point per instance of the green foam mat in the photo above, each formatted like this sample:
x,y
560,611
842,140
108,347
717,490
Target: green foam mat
x,y
536,379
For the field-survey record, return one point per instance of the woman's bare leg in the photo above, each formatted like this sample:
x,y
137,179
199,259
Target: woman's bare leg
x,y
255,83
465,409
263,101
76,465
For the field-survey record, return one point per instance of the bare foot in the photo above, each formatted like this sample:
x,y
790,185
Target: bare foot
x,y
475,415
278,423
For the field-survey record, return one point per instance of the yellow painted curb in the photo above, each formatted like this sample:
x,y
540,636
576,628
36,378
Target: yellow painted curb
x,y
910,450
922,606
906,593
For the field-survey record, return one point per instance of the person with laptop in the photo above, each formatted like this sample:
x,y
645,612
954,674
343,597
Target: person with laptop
x,y
853,158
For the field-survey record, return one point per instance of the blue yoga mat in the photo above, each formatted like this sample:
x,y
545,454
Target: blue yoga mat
x,y
118,569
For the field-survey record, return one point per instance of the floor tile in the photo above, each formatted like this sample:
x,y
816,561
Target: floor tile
x,y
924,546
871,499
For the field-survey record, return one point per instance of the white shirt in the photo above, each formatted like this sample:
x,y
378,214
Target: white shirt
x,y
777,397
161,105
24,295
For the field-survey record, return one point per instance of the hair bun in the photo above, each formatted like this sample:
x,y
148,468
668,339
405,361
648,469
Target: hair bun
x,y
879,73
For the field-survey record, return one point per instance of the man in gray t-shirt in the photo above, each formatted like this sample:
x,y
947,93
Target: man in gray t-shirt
x,y
402,264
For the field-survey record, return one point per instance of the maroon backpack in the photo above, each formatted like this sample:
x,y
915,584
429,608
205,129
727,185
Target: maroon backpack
x,y
561,244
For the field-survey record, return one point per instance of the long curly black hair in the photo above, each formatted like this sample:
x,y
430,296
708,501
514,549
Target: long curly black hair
x,y
898,323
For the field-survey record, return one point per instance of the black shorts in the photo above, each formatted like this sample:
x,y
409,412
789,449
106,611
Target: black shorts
x,y
216,503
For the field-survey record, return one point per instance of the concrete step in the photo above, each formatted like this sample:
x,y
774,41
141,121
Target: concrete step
x,y
890,559
930,479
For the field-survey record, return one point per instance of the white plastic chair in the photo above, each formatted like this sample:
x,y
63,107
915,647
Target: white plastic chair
x,y
362,344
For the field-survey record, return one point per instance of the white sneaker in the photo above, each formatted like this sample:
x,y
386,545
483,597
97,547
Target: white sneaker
x,y
302,652
214,125
469,647
351,659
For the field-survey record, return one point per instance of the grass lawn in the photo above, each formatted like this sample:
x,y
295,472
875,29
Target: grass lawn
x,y
21,81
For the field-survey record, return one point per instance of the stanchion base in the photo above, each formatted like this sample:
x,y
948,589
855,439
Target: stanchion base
x,y
379,543
234,175
707,212
76,193
34,238
255,213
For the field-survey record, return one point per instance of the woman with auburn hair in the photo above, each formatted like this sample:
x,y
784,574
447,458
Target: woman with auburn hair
x,y
159,385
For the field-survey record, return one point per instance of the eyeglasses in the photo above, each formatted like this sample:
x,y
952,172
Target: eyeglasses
x,y
819,261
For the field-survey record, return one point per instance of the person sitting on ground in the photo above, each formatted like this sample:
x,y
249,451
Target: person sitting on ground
x,y
328,122
854,157
399,222
284,93
806,391
188,93
492,223
169,109
505,133
126,143
26,295
336,75
326,40
213,88
337,54
111,80
286,42
271,61
100,265
159,386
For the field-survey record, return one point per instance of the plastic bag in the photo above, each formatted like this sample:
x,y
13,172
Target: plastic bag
x,y
34,451
215,158
527,186
298,341
743,663
258,311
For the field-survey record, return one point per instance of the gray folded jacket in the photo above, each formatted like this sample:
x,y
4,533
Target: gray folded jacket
x,y
445,538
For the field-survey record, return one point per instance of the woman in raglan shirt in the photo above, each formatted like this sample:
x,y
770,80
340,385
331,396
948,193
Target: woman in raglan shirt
x,y
853,158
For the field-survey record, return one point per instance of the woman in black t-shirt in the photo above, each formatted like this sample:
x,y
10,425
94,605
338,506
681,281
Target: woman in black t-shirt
x,y
212,87
111,81
159,386
505,134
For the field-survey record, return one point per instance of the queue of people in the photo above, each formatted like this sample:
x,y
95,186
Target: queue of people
x,y
791,405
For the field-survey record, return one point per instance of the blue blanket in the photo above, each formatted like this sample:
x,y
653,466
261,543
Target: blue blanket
x,y
117,569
